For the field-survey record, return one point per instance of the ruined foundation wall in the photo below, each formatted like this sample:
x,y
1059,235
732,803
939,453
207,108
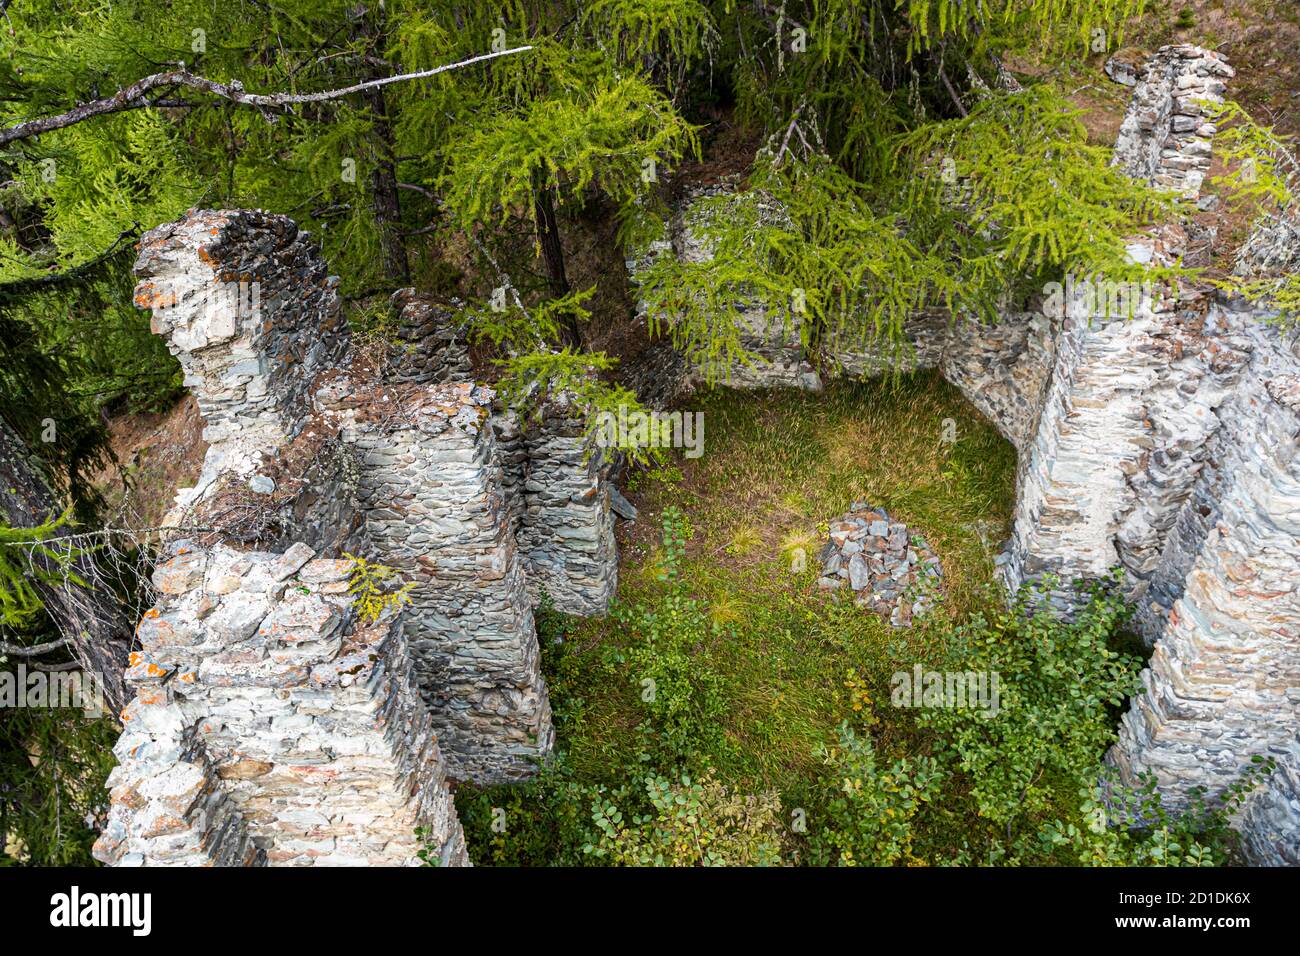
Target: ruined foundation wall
x,y
774,341
434,508
250,311
1165,136
1221,684
1209,523
1133,399
1121,437
557,484
270,726
427,342
566,527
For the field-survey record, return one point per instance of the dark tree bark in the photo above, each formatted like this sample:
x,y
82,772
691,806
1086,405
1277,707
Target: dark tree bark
x,y
548,239
385,199
385,202
99,635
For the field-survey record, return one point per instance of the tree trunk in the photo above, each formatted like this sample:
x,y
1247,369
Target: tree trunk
x,y
386,204
548,239
385,201
100,636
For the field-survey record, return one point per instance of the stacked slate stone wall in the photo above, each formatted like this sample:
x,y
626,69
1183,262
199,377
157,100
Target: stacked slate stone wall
x,y
1221,684
435,509
269,725
1129,415
167,804
249,309
774,341
566,528
1270,827
1165,137
557,486
925,336
1121,436
427,342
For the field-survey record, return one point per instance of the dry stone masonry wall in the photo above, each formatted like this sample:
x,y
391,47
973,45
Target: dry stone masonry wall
x,y
1165,137
566,527
250,310
1160,441
1222,684
774,341
434,507
271,726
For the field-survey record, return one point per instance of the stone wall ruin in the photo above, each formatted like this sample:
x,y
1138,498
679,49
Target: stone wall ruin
x,y
1162,443
273,724
270,721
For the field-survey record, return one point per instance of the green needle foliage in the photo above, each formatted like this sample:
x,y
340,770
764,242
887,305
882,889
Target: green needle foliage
x,y
25,560
1262,166
899,171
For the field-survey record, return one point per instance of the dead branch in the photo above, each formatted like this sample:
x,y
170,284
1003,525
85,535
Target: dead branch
x,y
133,97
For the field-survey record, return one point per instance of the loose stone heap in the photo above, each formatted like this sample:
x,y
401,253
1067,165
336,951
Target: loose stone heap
x,y
270,726
890,570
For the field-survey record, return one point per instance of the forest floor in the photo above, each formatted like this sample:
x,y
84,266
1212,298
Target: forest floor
x,y
778,467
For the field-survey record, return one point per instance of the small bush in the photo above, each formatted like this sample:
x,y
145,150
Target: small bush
x,y
687,823
870,812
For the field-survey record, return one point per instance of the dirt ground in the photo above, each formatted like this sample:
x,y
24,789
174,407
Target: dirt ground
x,y
157,452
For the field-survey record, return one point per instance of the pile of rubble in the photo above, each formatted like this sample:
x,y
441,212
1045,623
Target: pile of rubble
x,y
889,569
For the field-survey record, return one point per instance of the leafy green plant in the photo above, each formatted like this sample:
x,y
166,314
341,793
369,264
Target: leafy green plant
x,y
871,809
1060,686
1130,826
687,822
682,697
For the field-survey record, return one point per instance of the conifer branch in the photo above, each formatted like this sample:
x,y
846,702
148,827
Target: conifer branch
x,y
20,287
133,97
